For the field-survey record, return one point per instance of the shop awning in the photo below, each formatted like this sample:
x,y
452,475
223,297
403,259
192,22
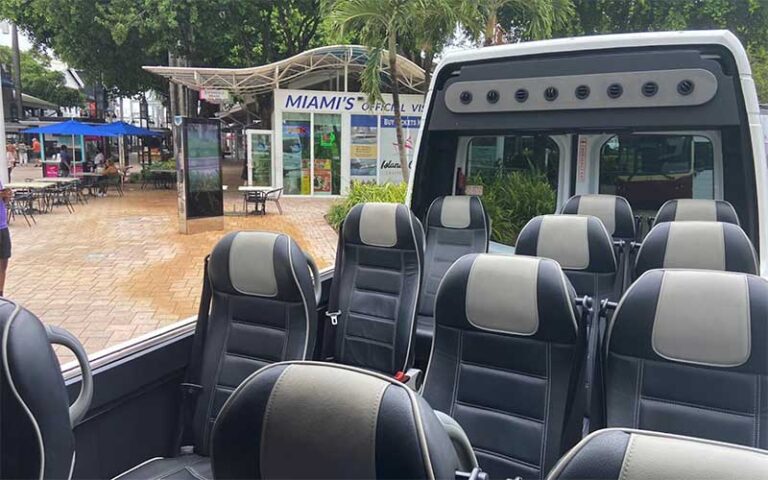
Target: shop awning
x,y
265,78
34,102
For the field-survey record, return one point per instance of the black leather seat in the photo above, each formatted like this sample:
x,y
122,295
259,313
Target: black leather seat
x,y
699,245
36,439
687,353
507,353
455,226
263,311
379,273
625,454
307,420
614,211
687,210
582,247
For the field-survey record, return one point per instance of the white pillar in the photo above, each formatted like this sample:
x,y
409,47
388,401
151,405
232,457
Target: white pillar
x,y
3,158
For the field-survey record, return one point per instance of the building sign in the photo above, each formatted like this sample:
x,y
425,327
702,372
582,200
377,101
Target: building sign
x,y
337,102
215,96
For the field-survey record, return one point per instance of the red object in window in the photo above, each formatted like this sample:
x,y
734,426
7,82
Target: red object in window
x,y
461,182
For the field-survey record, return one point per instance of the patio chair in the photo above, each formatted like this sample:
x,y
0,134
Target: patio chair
x,y
21,204
274,196
112,181
258,199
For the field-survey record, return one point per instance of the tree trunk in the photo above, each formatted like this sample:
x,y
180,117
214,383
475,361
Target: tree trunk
x,y
404,167
490,29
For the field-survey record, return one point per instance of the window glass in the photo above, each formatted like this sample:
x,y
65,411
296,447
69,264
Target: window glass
x,y
518,175
296,153
648,170
327,167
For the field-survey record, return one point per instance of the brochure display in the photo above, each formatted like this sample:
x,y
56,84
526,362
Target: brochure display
x,y
200,195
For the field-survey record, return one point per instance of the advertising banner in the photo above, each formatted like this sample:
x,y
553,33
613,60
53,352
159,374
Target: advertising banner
x,y
389,161
364,149
199,171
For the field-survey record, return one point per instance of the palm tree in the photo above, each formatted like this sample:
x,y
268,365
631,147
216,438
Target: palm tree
x,y
538,17
379,25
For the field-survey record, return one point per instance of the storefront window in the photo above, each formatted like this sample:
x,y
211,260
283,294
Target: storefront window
x,y
327,166
648,170
364,149
296,153
518,177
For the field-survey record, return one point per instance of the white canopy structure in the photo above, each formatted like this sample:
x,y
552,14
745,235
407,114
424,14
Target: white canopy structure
x,y
306,68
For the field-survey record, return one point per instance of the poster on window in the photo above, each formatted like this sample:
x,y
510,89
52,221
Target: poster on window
x,y
389,162
363,148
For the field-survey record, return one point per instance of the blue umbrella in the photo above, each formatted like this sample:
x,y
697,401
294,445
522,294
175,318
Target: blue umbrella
x,y
70,127
123,128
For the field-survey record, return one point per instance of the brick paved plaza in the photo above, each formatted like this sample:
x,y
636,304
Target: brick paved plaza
x,y
118,268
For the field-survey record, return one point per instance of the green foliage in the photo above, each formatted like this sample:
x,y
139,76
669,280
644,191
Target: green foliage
x,y
110,40
38,80
747,19
365,192
512,199
164,165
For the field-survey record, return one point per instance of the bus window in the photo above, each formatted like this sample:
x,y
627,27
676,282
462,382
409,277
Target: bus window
x,y
648,170
518,175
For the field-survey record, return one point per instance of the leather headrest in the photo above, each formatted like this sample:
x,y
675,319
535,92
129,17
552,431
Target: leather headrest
x,y
700,317
614,211
457,212
628,454
696,210
384,225
259,264
699,245
576,242
508,294
309,420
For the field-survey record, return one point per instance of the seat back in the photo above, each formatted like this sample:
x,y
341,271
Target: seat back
x,y
382,249
263,310
614,454
36,439
696,210
506,350
305,420
699,245
455,226
687,353
582,247
614,211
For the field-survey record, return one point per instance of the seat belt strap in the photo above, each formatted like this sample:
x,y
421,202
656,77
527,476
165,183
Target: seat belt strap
x,y
333,311
572,426
191,388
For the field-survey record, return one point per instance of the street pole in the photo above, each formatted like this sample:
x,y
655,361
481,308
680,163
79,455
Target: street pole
x,y
17,71
3,158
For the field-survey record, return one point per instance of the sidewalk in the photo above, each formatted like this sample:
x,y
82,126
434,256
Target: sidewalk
x,y
118,268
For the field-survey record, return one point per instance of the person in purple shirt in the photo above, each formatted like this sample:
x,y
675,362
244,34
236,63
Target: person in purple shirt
x,y
5,236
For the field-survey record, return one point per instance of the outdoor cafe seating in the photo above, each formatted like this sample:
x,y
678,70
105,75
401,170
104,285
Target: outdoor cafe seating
x,y
259,196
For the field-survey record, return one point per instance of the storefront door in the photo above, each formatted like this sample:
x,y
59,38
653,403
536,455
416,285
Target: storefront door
x,y
260,157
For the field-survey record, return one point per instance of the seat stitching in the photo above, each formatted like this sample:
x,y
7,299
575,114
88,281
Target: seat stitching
x,y
543,448
507,457
246,323
374,291
693,405
507,370
369,340
757,412
195,474
499,411
250,357
373,317
456,372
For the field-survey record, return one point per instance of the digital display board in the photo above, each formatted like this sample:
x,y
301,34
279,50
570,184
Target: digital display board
x,y
201,154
